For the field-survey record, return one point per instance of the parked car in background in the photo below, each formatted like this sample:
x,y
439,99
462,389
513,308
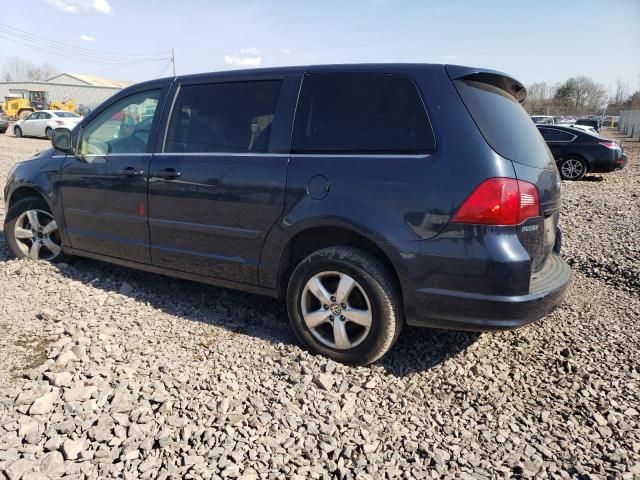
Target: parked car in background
x,y
590,122
44,122
364,196
542,119
577,152
83,110
4,122
565,121
585,128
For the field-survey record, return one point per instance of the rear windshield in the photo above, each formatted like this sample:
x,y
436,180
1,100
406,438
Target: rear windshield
x,y
504,123
66,115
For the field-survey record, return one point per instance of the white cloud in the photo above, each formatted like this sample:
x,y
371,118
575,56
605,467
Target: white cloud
x,y
247,57
286,51
82,6
87,38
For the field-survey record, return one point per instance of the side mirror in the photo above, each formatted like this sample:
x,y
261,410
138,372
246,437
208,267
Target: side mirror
x,y
61,140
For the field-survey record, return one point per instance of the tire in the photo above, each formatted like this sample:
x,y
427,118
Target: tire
x,y
373,299
572,168
17,131
21,234
48,133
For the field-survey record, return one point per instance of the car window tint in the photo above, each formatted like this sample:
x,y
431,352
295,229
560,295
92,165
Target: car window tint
x,y
361,112
33,116
549,134
67,115
504,124
45,115
232,117
564,136
123,127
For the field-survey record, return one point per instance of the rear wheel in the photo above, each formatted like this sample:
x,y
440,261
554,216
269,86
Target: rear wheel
x,y
17,131
49,132
343,303
31,231
572,168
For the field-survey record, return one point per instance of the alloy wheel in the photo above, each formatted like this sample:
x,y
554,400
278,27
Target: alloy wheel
x,y
36,234
336,310
572,168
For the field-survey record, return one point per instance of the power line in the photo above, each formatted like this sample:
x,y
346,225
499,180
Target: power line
x,y
165,68
63,49
124,65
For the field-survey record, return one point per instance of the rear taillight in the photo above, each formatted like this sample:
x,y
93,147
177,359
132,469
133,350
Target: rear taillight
x,y
500,201
60,122
610,145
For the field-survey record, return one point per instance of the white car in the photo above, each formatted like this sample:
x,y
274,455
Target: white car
x,y
44,122
542,119
586,128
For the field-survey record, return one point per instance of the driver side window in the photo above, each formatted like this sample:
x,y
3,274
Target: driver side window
x,y
124,127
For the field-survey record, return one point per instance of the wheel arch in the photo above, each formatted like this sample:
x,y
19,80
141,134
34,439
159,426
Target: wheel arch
x,y
308,240
25,191
577,156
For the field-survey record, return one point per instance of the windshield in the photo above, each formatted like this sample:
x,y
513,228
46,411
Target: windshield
x,y
504,124
66,115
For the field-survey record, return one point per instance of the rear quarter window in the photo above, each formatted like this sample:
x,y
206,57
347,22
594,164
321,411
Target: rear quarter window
x,y
504,124
361,113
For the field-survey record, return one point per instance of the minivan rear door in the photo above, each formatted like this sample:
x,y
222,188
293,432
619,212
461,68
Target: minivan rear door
x,y
217,184
493,100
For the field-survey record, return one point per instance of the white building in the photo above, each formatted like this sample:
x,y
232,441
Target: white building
x,y
83,89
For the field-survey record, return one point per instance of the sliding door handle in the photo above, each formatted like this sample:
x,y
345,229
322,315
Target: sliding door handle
x,y
131,172
168,173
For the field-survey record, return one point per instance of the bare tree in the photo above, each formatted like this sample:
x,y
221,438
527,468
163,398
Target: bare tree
x,y
16,69
620,94
537,98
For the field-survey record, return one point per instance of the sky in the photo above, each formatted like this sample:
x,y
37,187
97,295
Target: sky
x,y
542,40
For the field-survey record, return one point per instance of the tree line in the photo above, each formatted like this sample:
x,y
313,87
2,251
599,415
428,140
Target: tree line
x,y
580,95
17,69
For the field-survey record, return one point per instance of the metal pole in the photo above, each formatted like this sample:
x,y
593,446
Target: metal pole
x,y
173,60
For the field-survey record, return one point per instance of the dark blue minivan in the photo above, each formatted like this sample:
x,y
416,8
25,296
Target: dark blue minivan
x,y
365,196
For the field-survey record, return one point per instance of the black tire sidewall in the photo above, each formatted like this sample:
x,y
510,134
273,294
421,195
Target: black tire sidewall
x,y
29,203
48,133
384,316
16,130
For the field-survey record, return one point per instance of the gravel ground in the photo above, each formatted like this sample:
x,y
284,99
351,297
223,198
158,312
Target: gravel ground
x,y
111,373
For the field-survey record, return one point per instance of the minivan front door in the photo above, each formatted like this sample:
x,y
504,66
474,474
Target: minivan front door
x,y
104,187
219,184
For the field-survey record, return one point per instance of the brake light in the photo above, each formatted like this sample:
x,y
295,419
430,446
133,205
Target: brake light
x,y
60,122
609,145
500,201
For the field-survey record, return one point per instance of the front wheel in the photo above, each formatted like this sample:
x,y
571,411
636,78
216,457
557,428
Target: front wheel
x,y
572,168
31,231
17,131
343,303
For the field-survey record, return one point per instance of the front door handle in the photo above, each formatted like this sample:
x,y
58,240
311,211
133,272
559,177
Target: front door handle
x,y
131,172
168,173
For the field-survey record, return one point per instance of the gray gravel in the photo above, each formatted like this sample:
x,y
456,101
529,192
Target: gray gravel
x,y
111,373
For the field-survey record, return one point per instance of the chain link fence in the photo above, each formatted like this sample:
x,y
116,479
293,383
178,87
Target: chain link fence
x,y
630,123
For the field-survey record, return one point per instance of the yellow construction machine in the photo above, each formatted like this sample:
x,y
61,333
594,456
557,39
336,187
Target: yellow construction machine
x,y
20,107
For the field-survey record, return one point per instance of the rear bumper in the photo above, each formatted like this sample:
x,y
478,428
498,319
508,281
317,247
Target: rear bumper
x,y
616,162
473,311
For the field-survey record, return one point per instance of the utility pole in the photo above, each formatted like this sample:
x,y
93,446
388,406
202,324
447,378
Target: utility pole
x,y
173,60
